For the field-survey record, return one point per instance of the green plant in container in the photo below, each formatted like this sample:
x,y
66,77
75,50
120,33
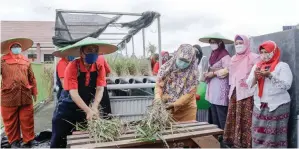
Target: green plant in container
x,y
131,65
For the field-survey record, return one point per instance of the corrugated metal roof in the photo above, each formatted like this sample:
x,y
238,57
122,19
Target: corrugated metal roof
x,y
38,31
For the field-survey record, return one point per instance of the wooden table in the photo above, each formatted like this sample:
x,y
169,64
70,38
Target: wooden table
x,y
187,134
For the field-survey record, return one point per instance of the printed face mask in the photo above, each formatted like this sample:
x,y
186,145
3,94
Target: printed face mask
x,y
214,46
16,50
267,56
181,64
239,48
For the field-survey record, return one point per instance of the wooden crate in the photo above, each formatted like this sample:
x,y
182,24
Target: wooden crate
x,y
188,134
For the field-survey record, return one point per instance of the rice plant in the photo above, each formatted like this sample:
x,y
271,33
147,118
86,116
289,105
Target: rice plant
x,y
131,65
157,119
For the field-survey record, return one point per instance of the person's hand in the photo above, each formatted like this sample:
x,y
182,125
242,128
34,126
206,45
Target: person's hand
x,y
209,75
89,114
257,73
263,73
95,109
157,101
169,106
34,98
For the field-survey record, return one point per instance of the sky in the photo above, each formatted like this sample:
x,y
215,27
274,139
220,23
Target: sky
x,y
182,21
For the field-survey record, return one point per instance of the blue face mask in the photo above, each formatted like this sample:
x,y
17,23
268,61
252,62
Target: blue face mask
x,y
70,58
16,50
91,58
181,64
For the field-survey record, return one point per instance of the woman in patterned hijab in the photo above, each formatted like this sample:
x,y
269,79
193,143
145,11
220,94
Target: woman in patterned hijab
x,y
177,81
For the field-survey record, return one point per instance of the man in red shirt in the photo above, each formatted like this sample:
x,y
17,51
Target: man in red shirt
x,y
60,68
84,82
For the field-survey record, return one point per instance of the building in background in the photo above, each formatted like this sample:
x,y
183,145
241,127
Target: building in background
x,y
41,32
284,28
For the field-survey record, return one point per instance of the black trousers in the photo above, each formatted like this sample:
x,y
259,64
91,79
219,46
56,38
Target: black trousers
x,y
217,115
105,104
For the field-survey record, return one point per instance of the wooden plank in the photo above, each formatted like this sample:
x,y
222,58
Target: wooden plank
x,y
133,136
135,142
207,142
81,134
185,143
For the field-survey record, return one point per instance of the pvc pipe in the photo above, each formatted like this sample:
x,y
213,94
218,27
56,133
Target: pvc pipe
x,y
139,80
151,79
144,80
111,80
130,86
127,80
159,40
118,81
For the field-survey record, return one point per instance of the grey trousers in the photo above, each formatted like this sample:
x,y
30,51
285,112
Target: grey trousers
x,y
217,115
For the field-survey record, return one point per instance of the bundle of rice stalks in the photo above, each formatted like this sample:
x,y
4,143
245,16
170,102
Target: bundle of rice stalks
x,y
119,67
131,65
144,67
102,130
156,120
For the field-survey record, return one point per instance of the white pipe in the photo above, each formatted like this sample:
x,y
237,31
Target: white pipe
x,y
130,86
112,80
144,80
139,80
128,80
151,79
159,40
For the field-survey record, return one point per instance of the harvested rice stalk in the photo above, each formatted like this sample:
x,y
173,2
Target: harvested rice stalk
x,y
102,130
144,67
156,120
131,65
119,68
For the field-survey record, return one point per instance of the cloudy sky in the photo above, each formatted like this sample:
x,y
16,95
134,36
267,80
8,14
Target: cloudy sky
x,y
182,21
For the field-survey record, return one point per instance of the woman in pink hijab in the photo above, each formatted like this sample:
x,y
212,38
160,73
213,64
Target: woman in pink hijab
x,y
237,132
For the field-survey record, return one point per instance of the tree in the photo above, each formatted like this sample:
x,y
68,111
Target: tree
x,y
151,49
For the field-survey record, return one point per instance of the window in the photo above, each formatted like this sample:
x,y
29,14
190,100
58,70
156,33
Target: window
x,y
48,58
32,56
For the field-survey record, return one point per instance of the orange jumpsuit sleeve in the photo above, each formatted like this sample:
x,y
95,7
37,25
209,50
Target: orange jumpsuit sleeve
x,y
158,91
32,80
184,100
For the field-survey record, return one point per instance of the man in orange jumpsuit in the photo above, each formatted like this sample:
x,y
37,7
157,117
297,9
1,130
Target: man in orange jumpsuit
x,y
18,88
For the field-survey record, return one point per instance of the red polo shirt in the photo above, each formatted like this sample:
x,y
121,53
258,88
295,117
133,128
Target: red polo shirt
x,y
101,60
71,74
61,66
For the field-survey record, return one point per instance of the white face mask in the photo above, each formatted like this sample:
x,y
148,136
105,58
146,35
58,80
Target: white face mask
x,y
214,46
239,48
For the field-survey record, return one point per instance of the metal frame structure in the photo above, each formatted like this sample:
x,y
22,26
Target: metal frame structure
x,y
117,24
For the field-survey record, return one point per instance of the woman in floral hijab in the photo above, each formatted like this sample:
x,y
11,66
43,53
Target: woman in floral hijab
x,y
177,81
